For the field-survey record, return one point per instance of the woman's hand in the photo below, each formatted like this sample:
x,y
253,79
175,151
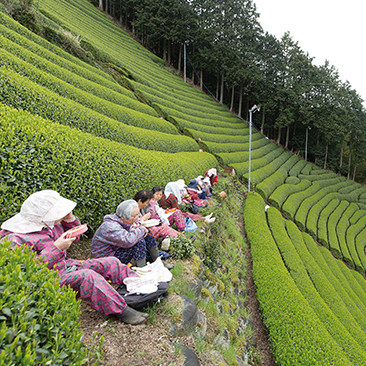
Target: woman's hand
x,y
63,243
146,216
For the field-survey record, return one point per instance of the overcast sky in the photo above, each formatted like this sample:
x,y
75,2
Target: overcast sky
x,y
332,30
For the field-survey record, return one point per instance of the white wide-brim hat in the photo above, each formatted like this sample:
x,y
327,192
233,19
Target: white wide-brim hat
x,y
39,208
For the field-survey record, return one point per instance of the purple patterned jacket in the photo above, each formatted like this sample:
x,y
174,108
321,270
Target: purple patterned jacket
x,y
42,241
114,234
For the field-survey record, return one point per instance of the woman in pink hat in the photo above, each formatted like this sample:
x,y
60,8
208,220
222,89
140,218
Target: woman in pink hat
x,y
41,225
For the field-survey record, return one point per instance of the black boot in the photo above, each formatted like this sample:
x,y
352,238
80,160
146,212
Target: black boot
x,y
141,262
132,316
154,253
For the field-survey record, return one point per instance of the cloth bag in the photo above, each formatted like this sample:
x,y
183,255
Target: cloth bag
x,y
190,225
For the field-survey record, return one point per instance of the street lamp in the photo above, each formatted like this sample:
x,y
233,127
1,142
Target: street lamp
x,y
251,111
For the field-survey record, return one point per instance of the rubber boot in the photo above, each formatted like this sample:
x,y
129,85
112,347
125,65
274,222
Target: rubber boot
x,y
154,253
132,316
141,262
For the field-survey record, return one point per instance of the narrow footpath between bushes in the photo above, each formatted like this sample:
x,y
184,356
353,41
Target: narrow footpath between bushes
x,y
222,326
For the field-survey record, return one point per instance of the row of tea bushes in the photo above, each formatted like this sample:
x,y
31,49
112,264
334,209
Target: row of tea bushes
x,y
69,65
10,23
285,311
191,112
182,124
185,103
270,183
20,92
315,287
71,77
111,110
95,172
291,205
180,116
308,203
211,137
231,151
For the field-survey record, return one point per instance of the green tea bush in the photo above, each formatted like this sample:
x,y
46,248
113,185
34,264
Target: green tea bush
x,y
186,113
269,184
39,320
316,177
296,169
280,194
323,222
313,200
182,124
19,92
204,136
79,70
335,296
97,173
360,249
291,179
264,172
111,110
307,168
231,148
184,103
243,155
294,201
302,267
351,234
70,77
258,161
10,23
334,218
181,248
342,228
284,308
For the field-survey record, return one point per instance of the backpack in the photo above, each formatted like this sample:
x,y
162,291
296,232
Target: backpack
x,y
140,301
194,208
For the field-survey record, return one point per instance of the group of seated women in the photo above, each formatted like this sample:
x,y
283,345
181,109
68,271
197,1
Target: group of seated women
x,y
43,223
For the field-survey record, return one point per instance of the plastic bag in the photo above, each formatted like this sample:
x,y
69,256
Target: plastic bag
x,y
190,225
156,271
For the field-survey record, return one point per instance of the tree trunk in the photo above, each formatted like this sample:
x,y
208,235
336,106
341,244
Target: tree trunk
x,y
100,5
317,139
217,86
354,173
349,160
246,107
341,156
263,118
164,50
232,98
180,58
287,136
201,79
326,156
279,135
240,100
222,89
169,52
106,6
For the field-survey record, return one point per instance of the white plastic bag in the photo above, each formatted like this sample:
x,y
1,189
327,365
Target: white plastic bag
x,y
155,270
140,285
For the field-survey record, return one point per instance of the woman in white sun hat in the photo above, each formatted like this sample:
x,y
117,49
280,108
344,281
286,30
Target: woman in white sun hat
x,y
41,225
